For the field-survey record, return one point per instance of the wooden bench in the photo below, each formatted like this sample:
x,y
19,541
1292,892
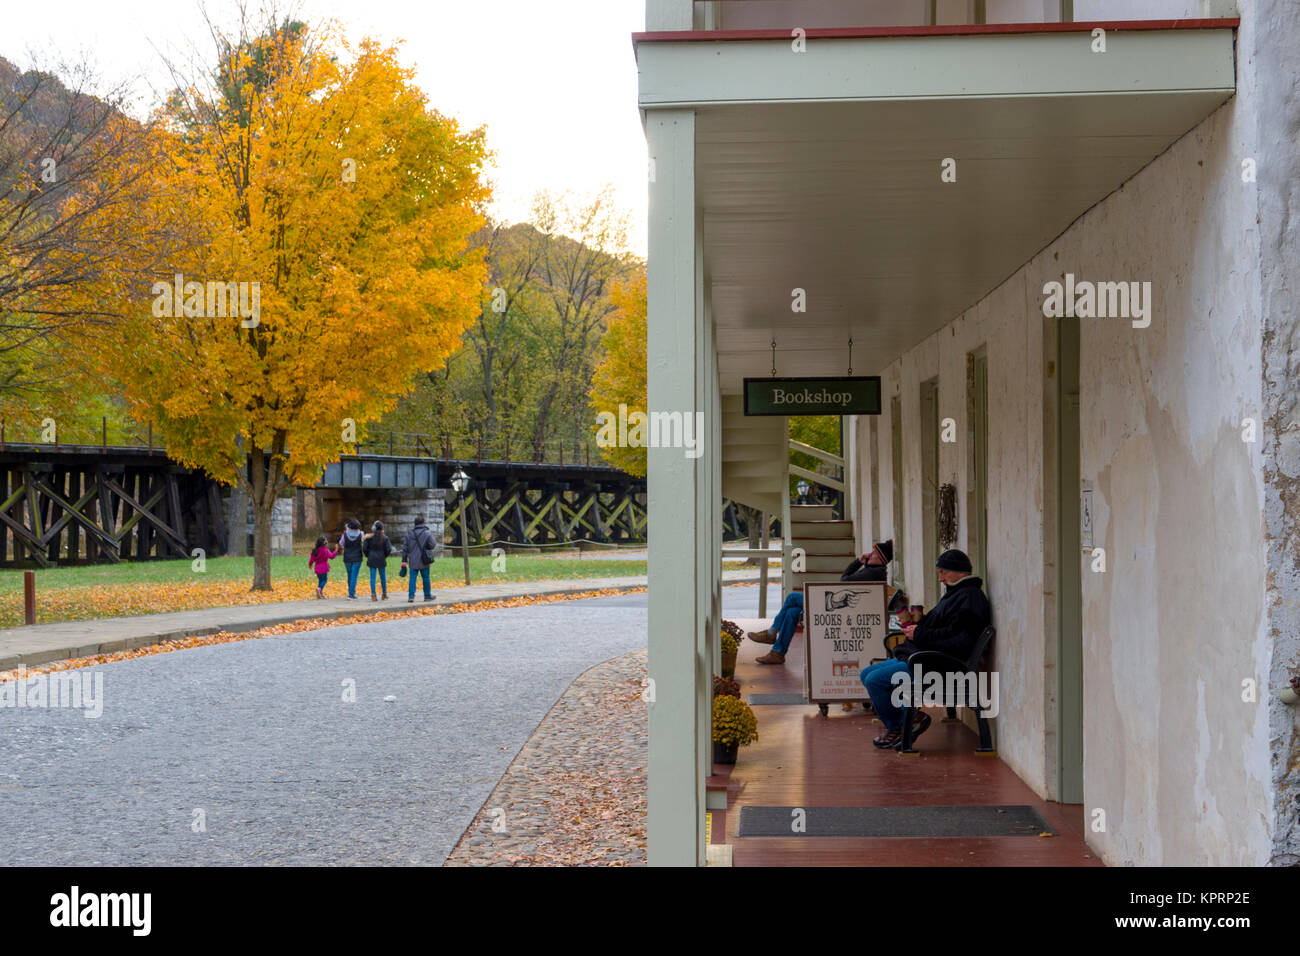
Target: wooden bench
x,y
947,664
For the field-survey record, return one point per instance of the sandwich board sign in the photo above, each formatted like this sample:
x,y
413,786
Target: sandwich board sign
x,y
845,625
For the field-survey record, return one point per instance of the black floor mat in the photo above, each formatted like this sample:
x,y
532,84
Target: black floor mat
x,y
768,699
972,821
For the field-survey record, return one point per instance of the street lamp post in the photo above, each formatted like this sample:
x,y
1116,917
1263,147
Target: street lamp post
x,y
461,482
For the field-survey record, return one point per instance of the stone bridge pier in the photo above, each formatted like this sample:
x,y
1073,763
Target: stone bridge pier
x,y
327,510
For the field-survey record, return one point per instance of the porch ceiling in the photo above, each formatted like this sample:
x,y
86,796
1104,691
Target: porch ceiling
x,y
841,196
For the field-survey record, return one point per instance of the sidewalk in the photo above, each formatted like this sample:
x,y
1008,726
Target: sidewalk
x,y
42,643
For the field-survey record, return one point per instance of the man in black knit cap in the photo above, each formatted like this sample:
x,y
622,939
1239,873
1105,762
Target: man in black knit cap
x,y
952,626
872,566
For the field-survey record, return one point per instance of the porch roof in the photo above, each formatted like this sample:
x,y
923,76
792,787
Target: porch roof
x,y
821,170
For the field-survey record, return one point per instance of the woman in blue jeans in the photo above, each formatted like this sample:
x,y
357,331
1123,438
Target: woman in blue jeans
x,y
872,566
377,549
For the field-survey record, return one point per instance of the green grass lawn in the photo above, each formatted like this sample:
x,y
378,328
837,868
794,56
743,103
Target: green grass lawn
x,y
516,568
152,587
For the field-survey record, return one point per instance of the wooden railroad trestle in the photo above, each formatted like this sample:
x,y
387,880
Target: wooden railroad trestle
x,y
84,505
517,513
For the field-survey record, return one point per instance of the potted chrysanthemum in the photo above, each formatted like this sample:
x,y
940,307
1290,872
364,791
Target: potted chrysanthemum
x,y
734,725
729,638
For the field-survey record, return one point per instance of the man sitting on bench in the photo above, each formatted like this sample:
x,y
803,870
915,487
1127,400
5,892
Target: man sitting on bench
x,y
952,626
872,566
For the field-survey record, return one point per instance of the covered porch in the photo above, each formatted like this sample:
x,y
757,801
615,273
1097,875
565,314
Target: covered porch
x,y
803,759
812,212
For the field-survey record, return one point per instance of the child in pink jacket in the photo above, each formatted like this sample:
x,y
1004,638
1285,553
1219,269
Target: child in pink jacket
x,y
319,561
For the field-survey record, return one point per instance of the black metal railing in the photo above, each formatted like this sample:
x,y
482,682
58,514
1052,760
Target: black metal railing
x,y
54,435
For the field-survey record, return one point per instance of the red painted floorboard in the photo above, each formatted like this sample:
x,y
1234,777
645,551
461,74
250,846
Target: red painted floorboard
x,y
804,759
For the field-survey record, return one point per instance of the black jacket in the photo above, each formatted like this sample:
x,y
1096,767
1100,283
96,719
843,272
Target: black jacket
x,y
418,547
857,571
350,545
954,624
377,549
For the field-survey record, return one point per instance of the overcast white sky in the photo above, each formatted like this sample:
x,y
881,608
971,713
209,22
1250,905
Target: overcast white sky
x,y
554,81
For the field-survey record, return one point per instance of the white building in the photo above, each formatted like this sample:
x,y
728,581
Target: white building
x,y
923,171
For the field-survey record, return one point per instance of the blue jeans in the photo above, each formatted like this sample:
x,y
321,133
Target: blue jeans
x,y
354,569
383,580
411,574
787,619
878,679
321,579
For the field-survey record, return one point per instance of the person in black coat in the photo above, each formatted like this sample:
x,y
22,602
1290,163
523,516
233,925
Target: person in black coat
x,y
956,622
377,549
952,626
872,566
418,548
350,545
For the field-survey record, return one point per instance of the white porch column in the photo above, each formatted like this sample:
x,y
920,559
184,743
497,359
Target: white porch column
x,y
676,489
669,14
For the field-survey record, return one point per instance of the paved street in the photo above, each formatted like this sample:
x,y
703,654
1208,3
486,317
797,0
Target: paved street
x,y
258,737
41,643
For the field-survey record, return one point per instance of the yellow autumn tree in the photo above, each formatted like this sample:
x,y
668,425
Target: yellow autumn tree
x,y
620,378
297,256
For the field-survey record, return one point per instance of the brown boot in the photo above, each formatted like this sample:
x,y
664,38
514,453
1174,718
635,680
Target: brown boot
x,y
772,657
761,637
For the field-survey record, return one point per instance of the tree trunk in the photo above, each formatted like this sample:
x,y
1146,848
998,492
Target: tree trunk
x,y
262,498
753,524
262,544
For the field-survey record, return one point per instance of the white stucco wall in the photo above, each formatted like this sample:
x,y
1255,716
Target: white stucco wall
x,y
1196,597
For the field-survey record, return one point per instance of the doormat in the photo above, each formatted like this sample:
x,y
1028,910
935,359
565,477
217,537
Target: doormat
x,y
972,821
756,699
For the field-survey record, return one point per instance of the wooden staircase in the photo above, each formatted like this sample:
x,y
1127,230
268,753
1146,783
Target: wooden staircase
x,y
827,544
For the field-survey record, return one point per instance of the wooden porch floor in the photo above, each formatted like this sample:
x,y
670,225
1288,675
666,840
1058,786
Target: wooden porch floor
x,y
803,759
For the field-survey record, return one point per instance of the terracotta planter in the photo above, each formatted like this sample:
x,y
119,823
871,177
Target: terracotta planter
x,y
725,753
729,664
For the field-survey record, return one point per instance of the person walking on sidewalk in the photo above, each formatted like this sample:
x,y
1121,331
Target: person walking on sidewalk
x,y
417,556
319,561
377,550
352,547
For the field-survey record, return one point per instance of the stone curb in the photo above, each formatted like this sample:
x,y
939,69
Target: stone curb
x,y
66,652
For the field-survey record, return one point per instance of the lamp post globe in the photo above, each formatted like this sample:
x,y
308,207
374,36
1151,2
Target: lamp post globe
x,y
460,482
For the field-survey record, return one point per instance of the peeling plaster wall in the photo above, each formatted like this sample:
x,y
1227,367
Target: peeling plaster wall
x,y
1274,43
1172,754
1193,519
1015,578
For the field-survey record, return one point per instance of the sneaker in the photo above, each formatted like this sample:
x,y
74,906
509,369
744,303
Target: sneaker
x,y
888,740
772,657
761,637
920,724
410,600
430,597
